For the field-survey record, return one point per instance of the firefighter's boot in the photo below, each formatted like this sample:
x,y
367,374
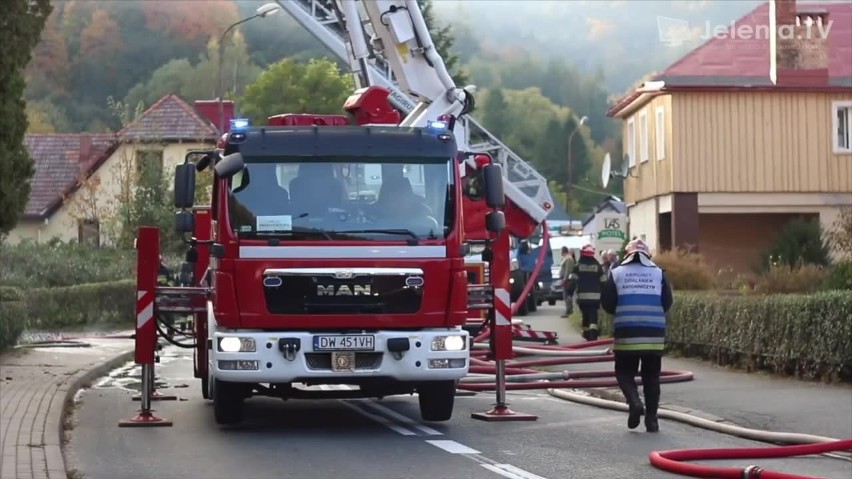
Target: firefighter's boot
x,y
634,402
652,403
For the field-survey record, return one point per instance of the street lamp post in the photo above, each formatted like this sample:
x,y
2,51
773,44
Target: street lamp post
x,y
571,164
262,11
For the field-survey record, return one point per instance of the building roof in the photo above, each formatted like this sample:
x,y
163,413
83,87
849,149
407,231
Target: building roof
x,y
610,204
170,119
741,58
60,160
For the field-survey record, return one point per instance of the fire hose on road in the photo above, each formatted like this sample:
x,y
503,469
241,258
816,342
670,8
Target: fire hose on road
x,y
520,375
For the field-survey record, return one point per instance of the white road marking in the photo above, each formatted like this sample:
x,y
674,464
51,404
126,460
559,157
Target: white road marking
x,y
404,419
379,419
453,447
510,471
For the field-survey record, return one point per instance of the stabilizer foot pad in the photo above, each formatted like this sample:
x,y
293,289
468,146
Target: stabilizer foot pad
x,y
503,413
145,419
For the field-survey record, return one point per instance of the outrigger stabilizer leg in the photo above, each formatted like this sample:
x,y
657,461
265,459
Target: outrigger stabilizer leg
x,y
147,260
500,322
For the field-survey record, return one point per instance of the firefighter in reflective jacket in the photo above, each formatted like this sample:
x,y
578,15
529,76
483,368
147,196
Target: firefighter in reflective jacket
x,y
638,296
588,277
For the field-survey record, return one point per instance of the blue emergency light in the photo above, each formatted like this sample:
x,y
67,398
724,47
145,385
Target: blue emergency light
x,y
436,125
238,124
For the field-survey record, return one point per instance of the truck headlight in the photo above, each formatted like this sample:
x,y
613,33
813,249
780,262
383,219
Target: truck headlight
x,y
449,343
236,345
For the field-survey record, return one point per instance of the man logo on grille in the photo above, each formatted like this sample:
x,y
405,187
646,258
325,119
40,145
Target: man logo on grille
x,y
343,290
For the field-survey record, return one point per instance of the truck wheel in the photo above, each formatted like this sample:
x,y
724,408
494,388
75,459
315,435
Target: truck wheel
x,y
205,391
551,302
436,400
228,401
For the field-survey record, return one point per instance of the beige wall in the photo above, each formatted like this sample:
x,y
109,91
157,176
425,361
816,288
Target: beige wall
x,y
757,142
654,176
102,198
642,220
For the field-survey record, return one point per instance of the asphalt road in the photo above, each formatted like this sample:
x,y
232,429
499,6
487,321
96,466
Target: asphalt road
x,y
345,439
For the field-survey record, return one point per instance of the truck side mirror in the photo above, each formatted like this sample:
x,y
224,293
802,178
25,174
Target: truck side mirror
x,y
184,185
495,221
492,176
185,221
229,165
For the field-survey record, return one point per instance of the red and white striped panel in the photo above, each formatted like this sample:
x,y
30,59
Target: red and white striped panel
x,y
502,307
531,334
144,307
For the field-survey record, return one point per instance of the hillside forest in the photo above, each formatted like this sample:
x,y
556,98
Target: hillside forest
x,y
92,53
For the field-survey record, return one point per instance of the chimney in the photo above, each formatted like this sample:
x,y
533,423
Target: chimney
x,y
209,110
85,149
798,44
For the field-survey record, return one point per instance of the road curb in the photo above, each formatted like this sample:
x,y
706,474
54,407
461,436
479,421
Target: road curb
x,y
54,450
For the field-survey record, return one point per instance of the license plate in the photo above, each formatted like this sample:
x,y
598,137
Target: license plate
x,y
355,342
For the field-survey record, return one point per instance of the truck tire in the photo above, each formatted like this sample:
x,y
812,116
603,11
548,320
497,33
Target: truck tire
x,y
228,401
437,399
551,302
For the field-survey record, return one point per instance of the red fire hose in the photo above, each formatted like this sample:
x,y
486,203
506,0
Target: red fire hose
x,y
671,461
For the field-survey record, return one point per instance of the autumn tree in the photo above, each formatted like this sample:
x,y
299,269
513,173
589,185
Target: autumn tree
x,y
20,26
291,87
494,112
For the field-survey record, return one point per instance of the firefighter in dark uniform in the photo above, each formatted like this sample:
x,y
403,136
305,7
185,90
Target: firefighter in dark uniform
x,y
638,295
588,277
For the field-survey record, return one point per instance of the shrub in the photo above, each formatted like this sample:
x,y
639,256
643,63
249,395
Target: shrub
x,y
685,270
784,279
33,265
808,336
839,236
799,242
840,277
13,316
112,303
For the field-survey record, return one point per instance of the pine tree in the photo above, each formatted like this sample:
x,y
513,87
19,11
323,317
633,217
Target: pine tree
x,y
443,39
21,26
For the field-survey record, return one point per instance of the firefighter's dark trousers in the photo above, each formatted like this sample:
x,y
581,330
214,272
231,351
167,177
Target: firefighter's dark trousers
x,y
590,319
626,369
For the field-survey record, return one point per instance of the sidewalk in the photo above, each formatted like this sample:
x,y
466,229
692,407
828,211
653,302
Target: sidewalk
x,y
35,386
753,400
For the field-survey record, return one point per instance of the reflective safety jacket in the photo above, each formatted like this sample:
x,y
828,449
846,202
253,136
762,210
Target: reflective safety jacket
x,y
589,277
638,296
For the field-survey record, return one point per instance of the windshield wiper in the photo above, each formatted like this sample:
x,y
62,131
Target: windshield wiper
x,y
295,230
392,231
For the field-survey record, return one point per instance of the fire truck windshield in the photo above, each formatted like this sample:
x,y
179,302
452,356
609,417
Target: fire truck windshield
x,y
343,198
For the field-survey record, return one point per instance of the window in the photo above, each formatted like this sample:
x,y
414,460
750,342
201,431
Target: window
x,y
343,198
89,232
643,136
631,143
149,158
660,129
842,126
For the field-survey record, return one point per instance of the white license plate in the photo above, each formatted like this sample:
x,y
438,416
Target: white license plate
x,y
351,342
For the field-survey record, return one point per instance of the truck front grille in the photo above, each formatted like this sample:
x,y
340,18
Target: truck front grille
x,y
322,361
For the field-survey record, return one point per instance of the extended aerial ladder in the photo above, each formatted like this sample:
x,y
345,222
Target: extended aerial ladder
x,y
387,43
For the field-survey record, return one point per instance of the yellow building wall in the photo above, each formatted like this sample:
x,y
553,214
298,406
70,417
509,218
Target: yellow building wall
x,y
102,197
652,177
757,142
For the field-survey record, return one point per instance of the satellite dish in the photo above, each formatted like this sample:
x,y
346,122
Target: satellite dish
x,y
606,169
625,166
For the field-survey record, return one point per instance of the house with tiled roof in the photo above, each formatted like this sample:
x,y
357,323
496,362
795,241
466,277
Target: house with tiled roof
x,y
744,133
81,178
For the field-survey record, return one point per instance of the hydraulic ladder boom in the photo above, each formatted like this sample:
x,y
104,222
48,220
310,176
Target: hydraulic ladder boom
x,y
402,60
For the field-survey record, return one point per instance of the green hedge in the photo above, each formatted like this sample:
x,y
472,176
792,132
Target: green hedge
x,y
13,316
808,336
112,303
54,264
